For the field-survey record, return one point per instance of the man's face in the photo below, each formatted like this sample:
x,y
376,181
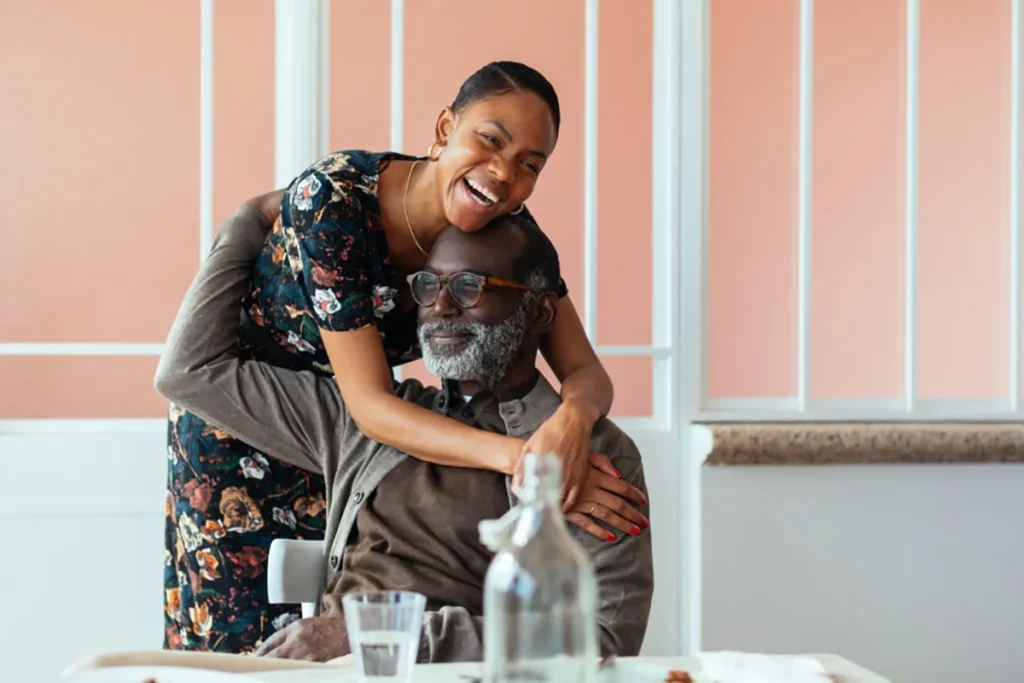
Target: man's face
x,y
480,343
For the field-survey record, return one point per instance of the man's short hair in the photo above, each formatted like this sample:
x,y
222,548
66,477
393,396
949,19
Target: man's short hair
x,y
536,264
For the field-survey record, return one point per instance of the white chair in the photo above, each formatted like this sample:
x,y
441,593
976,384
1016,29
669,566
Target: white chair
x,y
296,571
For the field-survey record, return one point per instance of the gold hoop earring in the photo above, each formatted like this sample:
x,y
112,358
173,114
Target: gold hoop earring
x,y
430,151
518,210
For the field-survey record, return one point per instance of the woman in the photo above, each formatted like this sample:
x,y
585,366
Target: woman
x,y
328,295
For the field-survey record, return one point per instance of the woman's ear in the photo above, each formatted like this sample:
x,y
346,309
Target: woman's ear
x,y
544,313
444,126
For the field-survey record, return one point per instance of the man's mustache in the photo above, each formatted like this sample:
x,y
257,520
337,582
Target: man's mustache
x,y
436,326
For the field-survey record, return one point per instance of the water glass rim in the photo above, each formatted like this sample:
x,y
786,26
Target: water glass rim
x,y
385,599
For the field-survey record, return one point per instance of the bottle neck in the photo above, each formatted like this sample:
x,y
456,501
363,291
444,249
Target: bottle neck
x,y
542,512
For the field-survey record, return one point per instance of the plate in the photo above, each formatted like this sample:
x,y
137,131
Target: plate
x,y
159,674
637,671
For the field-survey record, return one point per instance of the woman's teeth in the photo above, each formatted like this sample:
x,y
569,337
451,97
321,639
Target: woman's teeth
x,y
480,193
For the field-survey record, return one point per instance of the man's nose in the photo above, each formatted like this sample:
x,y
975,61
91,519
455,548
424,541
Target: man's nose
x,y
445,306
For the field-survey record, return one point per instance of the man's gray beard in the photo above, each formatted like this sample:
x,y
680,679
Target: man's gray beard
x,y
489,352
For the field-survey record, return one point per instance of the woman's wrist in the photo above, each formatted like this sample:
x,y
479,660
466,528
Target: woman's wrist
x,y
580,413
510,455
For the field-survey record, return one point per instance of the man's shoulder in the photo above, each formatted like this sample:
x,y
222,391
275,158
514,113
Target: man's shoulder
x,y
609,439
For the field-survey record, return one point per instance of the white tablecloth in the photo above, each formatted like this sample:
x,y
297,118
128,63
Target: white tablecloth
x,y
450,673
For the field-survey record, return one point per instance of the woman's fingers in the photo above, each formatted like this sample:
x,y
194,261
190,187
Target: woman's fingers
x,y
617,486
590,526
613,510
604,463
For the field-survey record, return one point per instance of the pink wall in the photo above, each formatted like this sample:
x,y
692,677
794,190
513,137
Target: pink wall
x,y
243,102
964,220
752,242
99,174
129,100
858,208
858,187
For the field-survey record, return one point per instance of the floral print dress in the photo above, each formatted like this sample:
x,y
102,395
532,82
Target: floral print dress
x,y
325,266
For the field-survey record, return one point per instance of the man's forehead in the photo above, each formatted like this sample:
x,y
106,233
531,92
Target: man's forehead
x,y
489,252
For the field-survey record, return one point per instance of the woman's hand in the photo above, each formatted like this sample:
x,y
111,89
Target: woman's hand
x,y
608,499
268,204
567,435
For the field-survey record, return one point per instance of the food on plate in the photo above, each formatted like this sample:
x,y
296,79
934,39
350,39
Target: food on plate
x,y
676,676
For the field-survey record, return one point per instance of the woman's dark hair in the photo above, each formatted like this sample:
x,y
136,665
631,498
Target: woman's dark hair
x,y
498,78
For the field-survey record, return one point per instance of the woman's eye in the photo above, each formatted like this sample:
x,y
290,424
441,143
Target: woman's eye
x,y
490,138
534,168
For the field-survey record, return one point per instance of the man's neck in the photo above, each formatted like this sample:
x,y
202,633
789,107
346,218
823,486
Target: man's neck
x,y
510,388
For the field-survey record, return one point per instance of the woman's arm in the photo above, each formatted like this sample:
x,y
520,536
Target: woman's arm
x,y
364,378
586,396
586,387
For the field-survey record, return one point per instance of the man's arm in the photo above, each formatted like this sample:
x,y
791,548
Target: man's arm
x,y
451,634
294,416
624,568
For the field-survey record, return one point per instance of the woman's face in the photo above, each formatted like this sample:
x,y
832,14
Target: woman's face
x,y
494,151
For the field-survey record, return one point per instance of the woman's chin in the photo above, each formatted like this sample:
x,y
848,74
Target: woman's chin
x,y
467,221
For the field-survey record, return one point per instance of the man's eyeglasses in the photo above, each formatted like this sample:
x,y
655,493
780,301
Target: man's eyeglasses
x,y
464,288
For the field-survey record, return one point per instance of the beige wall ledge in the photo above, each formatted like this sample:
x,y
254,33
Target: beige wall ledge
x,y
859,443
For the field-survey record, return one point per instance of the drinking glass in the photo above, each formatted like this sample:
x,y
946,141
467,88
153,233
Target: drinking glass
x,y
384,633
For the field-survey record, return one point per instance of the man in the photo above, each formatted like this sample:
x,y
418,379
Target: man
x,y
395,522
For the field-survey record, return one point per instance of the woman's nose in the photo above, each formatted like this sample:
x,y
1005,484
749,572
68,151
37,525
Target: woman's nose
x,y
502,170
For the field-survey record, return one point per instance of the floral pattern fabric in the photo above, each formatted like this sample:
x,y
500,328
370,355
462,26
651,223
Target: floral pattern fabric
x,y
325,265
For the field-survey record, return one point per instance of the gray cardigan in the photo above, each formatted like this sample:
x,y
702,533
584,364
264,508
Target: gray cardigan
x,y
301,419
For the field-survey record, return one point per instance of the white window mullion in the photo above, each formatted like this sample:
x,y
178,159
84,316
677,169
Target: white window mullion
x,y
1015,217
911,216
804,178
300,94
205,128
590,161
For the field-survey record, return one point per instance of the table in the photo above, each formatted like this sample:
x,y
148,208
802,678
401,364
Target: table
x,y
450,673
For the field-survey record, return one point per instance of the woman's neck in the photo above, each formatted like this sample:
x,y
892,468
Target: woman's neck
x,y
422,205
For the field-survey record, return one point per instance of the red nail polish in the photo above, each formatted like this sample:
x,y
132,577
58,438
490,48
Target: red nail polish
x,y
610,538
643,502
617,473
644,524
635,531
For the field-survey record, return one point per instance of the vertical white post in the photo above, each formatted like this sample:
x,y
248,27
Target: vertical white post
x,y
205,127
398,76
1015,179
590,106
398,96
804,179
910,227
324,129
681,40
299,87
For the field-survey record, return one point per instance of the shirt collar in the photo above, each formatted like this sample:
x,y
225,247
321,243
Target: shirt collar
x,y
522,416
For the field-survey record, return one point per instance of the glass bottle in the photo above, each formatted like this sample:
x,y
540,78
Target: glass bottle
x,y
540,595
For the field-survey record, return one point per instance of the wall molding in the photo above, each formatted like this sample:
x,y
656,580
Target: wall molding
x,y
85,426
789,409
80,349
